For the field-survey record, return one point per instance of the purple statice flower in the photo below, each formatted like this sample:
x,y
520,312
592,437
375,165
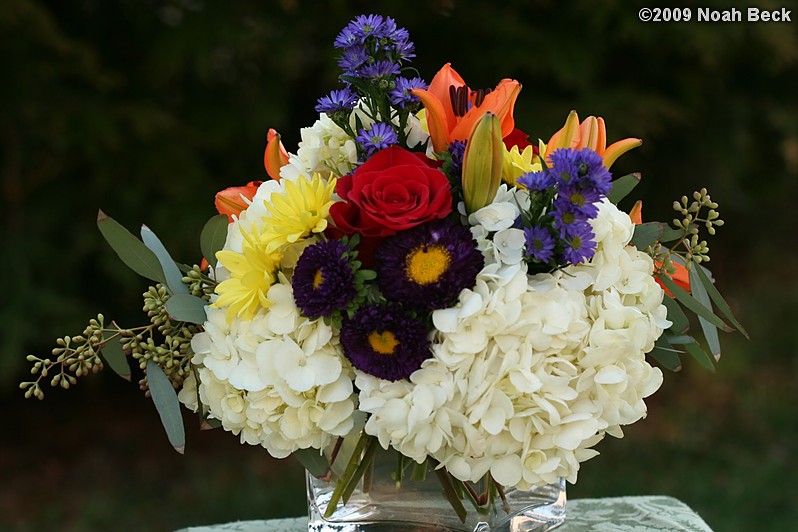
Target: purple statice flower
x,y
539,244
579,245
323,280
337,100
537,181
385,341
457,151
401,95
380,69
352,59
427,266
379,137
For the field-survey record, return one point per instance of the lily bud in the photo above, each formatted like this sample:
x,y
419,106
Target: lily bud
x,y
275,156
482,163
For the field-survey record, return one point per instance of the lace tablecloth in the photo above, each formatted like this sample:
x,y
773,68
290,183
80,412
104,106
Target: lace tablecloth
x,y
616,514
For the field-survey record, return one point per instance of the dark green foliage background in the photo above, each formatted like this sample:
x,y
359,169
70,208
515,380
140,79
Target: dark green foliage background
x,y
146,108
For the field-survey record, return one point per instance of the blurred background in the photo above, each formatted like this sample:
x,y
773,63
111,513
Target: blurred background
x,y
146,108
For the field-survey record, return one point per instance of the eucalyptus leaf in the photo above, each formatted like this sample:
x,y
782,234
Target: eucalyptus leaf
x,y
669,234
665,354
213,236
185,307
622,186
691,303
646,234
676,315
113,355
167,405
701,356
313,460
700,293
130,249
174,279
724,307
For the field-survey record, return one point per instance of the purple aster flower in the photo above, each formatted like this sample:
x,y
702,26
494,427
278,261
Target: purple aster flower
x,y
337,100
539,243
385,341
403,48
568,220
427,266
323,280
583,168
457,151
401,95
365,26
347,37
380,69
579,245
352,58
578,199
537,181
379,137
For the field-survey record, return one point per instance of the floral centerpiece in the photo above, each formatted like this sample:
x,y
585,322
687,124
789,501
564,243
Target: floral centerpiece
x,y
418,279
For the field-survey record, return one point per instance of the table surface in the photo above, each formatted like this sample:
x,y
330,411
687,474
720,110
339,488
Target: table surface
x,y
617,514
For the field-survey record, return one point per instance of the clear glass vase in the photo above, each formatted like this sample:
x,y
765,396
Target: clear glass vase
x,y
381,503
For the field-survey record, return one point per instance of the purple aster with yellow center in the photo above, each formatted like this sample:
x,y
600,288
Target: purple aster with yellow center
x,y
539,244
379,137
579,244
385,341
427,266
323,279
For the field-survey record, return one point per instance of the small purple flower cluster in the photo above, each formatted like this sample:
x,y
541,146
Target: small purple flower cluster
x,y
564,199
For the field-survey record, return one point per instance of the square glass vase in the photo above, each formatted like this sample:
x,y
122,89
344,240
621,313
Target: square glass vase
x,y
381,503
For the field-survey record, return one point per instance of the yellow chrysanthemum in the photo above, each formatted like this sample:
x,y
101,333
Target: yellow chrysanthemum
x,y
301,209
517,163
251,276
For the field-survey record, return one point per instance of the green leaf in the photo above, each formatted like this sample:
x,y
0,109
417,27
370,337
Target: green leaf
x,y
313,460
213,237
113,355
724,307
701,356
669,234
185,307
174,279
646,234
665,354
130,249
710,331
676,315
167,405
690,303
622,186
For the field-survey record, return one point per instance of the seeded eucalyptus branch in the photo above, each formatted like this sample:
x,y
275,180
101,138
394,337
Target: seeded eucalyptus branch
x,y
165,341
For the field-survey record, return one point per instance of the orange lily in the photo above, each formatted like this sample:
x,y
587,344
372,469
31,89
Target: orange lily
x,y
275,156
592,133
681,276
453,109
231,201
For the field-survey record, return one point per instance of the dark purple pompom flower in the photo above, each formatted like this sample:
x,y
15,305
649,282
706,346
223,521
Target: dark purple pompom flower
x,y
385,341
323,280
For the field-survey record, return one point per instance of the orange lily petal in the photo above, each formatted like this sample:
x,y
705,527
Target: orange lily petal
x,y
275,156
636,214
436,118
231,201
567,137
616,149
500,102
601,140
439,88
589,134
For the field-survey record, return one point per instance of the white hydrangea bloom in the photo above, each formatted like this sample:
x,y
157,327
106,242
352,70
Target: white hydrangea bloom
x,y
279,380
325,148
528,373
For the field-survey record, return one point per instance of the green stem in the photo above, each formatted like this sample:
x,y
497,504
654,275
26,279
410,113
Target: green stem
x,y
450,494
365,462
351,467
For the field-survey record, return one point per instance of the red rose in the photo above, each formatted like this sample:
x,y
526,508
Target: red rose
x,y
394,190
